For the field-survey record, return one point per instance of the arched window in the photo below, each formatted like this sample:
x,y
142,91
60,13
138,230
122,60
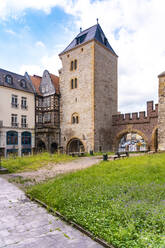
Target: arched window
x,y
26,138
23,83
75,118
75,82
71,66
12,138
72,84
75,64
9,79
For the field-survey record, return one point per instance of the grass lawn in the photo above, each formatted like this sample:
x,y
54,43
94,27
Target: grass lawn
x,y
29,163
122,202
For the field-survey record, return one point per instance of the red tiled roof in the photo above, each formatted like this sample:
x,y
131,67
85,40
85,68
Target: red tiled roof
x,y
55,81
36,80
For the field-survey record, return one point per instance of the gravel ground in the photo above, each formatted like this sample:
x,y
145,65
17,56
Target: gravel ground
x,y
52,170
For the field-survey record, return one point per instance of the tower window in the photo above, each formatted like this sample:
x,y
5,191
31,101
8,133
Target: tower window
x,y
75,118
71,66
75,64
74,83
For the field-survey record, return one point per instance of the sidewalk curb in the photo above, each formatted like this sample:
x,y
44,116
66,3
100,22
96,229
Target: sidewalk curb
x,y
78,227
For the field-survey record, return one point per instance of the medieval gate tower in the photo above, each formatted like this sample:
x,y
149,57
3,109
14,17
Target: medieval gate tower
x,y
88,86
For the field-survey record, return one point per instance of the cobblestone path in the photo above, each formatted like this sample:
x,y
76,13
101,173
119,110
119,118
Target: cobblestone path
x,y
24,224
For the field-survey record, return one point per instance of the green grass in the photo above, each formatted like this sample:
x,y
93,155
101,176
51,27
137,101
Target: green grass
x,y
122,202
29,163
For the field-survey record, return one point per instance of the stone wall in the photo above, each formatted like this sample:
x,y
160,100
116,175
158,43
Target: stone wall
x,y
145,124
78,100
161,113
105,95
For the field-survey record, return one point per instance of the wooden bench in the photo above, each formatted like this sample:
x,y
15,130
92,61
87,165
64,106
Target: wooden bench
x,y
120,155
79,154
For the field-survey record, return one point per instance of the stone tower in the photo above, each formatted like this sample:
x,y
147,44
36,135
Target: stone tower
x,y
88,86
161,113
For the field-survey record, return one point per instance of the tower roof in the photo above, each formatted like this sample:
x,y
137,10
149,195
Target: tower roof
x,y
162,74
93,33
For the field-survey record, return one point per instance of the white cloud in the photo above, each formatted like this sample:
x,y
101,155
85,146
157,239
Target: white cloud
x,y
31,69
15,8
9,31
134,29
40,44
51,63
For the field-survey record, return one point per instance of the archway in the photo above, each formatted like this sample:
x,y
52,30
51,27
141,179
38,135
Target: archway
x,y
75,145
131,140
41,146
54,147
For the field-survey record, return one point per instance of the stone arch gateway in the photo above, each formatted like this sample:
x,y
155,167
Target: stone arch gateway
x,y
144,124
75,145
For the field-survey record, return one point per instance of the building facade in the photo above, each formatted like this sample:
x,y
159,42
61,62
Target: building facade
x,y
17,114
47,112
88,83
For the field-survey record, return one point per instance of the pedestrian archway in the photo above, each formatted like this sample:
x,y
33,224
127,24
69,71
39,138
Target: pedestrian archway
x,y
54,147
41,146
75,145
133,140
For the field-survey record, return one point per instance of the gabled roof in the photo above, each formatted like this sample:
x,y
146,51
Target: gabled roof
x,y
16,81
36,80
93,33
55,81
162,74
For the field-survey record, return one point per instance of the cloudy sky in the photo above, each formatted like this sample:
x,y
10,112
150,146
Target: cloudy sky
x,y
34,32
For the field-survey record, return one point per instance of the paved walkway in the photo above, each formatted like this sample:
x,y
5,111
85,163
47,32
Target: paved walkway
x,y
24,224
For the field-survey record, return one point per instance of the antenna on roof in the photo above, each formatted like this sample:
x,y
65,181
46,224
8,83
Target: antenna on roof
x,y
97,20
80,29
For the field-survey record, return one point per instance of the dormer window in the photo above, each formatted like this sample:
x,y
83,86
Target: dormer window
x,y
105,41
80,39
23,83
9,79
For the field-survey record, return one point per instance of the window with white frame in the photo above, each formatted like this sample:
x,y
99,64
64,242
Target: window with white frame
x,y
23,121
14,101
14,122
24,102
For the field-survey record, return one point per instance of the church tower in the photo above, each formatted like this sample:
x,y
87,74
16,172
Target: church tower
x,y
88,86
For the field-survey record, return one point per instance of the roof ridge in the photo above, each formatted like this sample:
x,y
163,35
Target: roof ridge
x,y
12,72
87,29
